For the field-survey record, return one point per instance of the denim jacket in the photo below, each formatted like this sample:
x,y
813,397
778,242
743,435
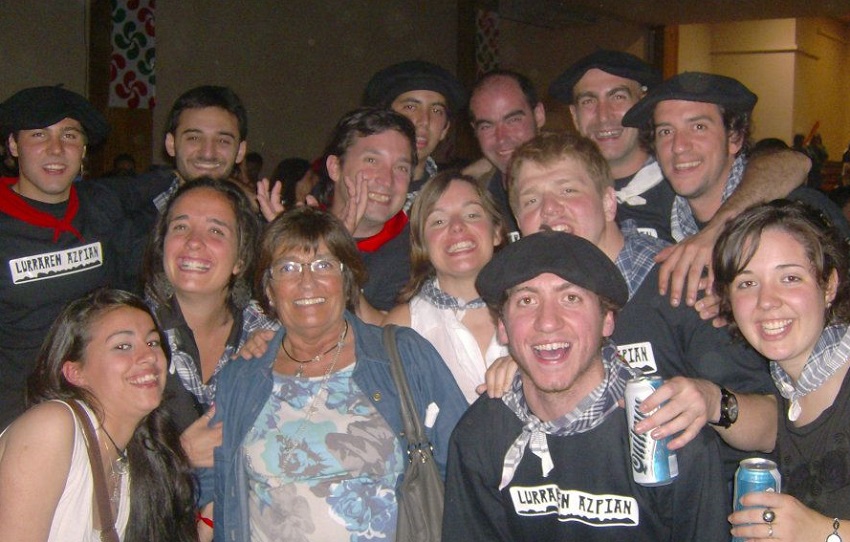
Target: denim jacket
x,y
244,386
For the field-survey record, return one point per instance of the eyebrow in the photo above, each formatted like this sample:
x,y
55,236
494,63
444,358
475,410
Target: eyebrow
x,y
419,101
208,219
199,131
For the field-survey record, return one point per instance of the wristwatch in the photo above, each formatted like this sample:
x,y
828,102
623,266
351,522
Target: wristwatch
x,y
728,409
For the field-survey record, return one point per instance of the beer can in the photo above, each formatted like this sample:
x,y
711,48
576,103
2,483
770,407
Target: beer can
x,y
652,463
755,474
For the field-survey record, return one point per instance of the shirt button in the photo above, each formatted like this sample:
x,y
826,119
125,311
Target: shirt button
x,y
376,396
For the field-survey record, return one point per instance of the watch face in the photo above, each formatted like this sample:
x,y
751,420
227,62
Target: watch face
x,y
732,408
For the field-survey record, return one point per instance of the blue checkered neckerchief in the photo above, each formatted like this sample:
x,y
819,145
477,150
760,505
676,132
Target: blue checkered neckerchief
x,y
637,257
431,292
161,200
830,353
589,413
682,223
430,171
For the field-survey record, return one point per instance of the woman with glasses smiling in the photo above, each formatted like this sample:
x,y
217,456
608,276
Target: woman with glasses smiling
x,y
311,443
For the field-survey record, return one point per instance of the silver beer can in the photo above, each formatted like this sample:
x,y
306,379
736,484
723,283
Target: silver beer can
x,y
652,463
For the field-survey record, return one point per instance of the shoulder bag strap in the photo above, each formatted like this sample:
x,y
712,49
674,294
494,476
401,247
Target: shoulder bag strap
x,y
412,425
102,510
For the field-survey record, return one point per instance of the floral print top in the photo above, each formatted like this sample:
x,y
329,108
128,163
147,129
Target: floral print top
x,y
326,475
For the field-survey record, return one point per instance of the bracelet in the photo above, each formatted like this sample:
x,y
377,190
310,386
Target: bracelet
x,y
834,537
209,523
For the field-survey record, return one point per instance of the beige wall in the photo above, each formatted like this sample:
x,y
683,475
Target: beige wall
x,y
543,53
42,42
798,68
823,63
297,64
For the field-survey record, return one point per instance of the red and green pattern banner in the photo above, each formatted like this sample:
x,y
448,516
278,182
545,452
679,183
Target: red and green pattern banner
x,y
486,41
132,68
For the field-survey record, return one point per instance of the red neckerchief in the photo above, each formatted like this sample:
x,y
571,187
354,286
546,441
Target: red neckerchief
x,y
392,227
15,206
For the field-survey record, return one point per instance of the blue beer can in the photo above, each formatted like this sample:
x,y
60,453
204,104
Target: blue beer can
x,y
652,463
755,474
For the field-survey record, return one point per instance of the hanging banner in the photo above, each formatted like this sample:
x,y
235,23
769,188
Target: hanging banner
x,y
132,82
486,41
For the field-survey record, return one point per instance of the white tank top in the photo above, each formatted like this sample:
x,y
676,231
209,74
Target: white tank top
x,y
73,517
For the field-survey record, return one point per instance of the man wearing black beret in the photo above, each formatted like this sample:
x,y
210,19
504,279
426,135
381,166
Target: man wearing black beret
x,y
699,126
430,96
600,88
58,239
550,459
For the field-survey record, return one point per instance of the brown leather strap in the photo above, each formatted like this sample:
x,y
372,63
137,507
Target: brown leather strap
x,y
103,511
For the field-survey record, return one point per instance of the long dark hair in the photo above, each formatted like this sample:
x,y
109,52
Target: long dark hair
x,y
154,281
162,488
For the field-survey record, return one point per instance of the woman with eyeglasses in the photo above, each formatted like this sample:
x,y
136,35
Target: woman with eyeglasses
x,y
312,443
781,272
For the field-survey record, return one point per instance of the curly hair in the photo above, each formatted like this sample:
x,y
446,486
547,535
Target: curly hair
x,y
737,122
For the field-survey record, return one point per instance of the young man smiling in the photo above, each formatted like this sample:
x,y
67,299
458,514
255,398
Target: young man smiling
x,y
600,89
430,97
58,239
550,460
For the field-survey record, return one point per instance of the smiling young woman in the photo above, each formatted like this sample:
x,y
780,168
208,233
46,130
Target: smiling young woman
x,y
781,271
104,354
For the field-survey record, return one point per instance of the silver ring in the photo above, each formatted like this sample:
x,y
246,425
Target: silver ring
x,y
769,530
768,515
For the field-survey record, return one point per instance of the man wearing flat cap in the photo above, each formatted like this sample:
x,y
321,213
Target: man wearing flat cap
x,y
600,88
58,239
430,96
550,459
699,127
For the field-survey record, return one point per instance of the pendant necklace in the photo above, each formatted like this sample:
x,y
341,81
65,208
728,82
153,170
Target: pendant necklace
x,y
118,469
121,465
292,442
317,357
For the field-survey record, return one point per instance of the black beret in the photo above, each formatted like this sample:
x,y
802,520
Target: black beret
x,y
692,87
572,258
40,107
614,62
386,85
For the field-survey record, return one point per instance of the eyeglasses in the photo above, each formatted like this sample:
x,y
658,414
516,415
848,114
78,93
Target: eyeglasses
x,y
289,270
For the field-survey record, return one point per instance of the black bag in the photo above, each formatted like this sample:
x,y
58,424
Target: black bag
x,y
420,496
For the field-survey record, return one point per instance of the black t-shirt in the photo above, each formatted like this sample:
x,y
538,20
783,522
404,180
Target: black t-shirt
x,y
389,271
590,494
657,338
39,277
652,217
814,460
